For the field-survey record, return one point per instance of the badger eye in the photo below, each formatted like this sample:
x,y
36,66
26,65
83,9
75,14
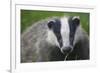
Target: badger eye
x,y
50,24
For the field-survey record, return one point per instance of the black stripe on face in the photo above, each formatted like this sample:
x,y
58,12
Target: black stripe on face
x,y
73,24
57,31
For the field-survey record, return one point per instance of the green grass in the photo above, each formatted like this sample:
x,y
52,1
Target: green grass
x,y
28,17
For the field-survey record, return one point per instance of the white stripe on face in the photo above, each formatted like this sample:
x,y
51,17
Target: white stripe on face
x,y
65,30
51,38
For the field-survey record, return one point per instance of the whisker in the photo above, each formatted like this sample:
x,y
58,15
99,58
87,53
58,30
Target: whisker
x,y
66,57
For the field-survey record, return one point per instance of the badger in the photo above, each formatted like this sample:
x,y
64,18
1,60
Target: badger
x,y
55,39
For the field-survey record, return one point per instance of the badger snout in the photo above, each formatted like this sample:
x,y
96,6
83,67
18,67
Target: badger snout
x,y
66,50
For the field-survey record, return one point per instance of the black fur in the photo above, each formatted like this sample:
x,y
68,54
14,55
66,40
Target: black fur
x,y
55,26
73,24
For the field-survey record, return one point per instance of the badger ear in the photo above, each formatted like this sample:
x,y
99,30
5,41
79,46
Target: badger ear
x,y
76,20
50,24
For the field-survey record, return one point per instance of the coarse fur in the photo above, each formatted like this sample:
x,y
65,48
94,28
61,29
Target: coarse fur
x,y
39,43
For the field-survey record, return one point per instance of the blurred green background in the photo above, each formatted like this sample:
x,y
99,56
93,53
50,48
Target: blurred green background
x,y
28,17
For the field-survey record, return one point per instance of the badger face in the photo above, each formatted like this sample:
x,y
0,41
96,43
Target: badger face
x,y
63,32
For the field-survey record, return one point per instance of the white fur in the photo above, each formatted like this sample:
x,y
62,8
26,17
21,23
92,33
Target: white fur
x,y
51,38
65,31
75,17
80,34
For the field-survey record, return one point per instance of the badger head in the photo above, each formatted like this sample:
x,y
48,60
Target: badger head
x,y
61,32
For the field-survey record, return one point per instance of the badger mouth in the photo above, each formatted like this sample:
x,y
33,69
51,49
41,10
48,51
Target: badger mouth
x,y
58,55
66,51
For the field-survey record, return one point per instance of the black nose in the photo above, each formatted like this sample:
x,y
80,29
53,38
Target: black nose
x,y
66,50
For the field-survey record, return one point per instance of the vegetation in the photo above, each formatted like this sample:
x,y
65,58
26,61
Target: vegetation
x,y
28,17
